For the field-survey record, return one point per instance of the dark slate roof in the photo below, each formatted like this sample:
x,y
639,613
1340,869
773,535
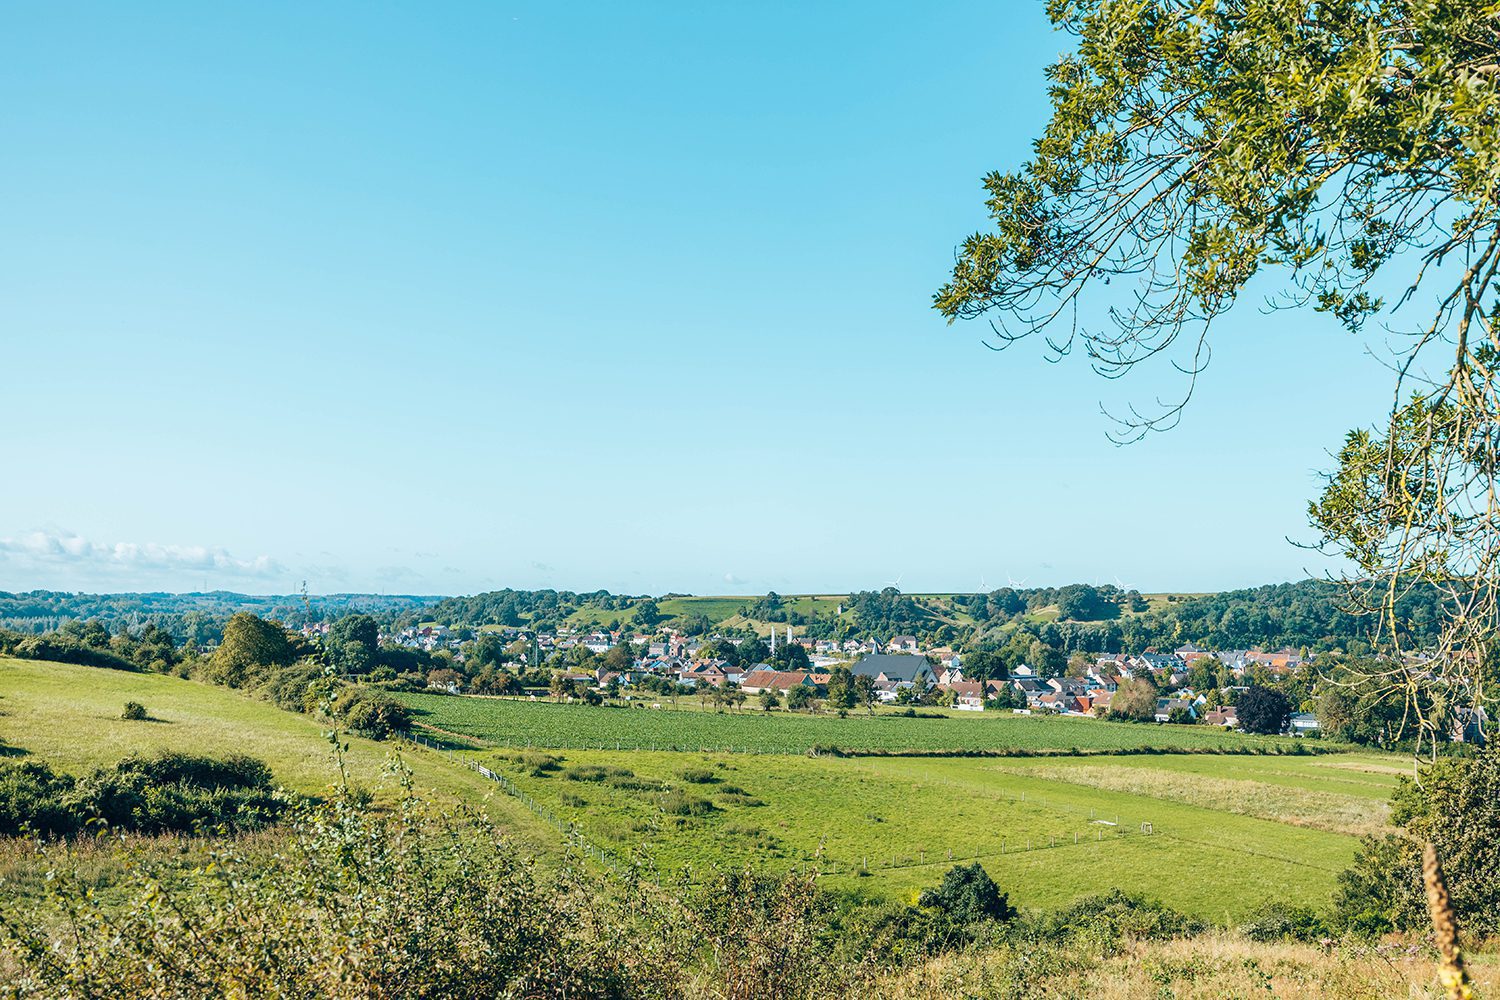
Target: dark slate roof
x,y
896,666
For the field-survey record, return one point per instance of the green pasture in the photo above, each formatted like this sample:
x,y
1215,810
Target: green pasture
x,y
1213,834
885,826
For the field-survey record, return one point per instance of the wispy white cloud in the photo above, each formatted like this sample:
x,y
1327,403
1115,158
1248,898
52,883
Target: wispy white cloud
x,y
53,548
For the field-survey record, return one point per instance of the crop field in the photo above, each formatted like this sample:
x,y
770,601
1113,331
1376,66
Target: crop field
x,y
889,826
520,723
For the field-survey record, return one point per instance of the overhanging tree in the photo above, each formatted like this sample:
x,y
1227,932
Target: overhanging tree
x,y
1349,149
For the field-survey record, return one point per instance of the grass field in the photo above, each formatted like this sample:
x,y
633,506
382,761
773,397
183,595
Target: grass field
x,y
1226,834
69,717
1214,834
885,826
543,724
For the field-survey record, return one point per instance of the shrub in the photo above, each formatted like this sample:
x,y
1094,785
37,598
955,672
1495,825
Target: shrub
x,y
9,640
1285,922
297,688
1113,915
63,648
1457,808
178,793
419,906
134,712
167,793
371,712
585,772
967,895
32,800
698,775
764,931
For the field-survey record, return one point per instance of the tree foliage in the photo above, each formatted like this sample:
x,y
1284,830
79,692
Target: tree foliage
x,y
353,644
250,645
1263,710
968,895
1455,804
1347,150
1134,700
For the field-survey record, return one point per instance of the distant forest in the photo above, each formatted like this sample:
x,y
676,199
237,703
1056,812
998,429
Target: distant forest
x,y
1073,618
196,616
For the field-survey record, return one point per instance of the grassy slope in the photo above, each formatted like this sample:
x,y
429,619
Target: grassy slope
x,y
523,723
69,716
901,817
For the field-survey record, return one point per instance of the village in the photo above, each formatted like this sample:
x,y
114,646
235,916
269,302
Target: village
x,y
899,672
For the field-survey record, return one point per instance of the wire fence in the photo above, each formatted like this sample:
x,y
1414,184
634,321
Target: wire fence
x,y
573,837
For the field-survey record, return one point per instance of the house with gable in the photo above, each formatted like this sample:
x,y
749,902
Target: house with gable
x,y
892,672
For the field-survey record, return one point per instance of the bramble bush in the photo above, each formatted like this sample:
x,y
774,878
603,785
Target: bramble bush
x,y
167,793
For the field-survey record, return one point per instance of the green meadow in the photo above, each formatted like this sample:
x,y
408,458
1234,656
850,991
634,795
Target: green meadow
x,y
889,826
1213,833
1212,823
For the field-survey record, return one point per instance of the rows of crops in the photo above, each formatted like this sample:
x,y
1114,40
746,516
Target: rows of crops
x,y
543,724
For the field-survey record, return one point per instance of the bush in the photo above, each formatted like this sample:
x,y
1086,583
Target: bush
x,y
297,688
1113,915
420,906
134,712
32,800
168,793
179,793
698,775
371,713
1285,922
765,941
1457,808
63,648
967,895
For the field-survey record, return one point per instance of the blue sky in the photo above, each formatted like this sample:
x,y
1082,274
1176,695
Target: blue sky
x,y
634,296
